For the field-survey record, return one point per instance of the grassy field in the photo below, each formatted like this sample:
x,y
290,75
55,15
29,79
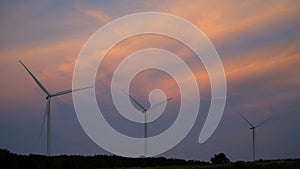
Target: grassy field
x,y
274,164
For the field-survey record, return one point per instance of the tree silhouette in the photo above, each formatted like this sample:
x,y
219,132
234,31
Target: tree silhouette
x,y
219,159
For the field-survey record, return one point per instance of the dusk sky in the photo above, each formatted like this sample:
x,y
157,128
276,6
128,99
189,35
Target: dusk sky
x,y
257,41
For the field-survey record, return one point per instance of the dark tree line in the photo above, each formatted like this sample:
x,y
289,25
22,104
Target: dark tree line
x,y
14,161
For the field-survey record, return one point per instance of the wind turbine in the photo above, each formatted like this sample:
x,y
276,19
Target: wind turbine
x,y
47,111
144,110
253,127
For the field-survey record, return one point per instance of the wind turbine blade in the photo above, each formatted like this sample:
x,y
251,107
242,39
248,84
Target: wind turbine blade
x,y
136,102
158,104
35,79
69,91
45,116
263,122
246,120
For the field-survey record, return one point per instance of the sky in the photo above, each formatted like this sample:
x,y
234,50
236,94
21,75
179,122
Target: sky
x,y
257,41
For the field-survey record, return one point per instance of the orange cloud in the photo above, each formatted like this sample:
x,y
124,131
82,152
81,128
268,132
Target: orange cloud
x,y
97,14
223,19
274,59
51,63
54,61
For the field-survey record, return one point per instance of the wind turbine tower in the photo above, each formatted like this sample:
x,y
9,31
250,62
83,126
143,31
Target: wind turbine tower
x,y
47,114
145,110
253,127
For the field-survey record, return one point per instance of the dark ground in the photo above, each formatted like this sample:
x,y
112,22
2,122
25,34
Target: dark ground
x,y
14,161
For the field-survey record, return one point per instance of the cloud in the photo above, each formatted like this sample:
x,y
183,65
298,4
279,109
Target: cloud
x,y
52,64
222,19
229,20
97,14
257,42
272,61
